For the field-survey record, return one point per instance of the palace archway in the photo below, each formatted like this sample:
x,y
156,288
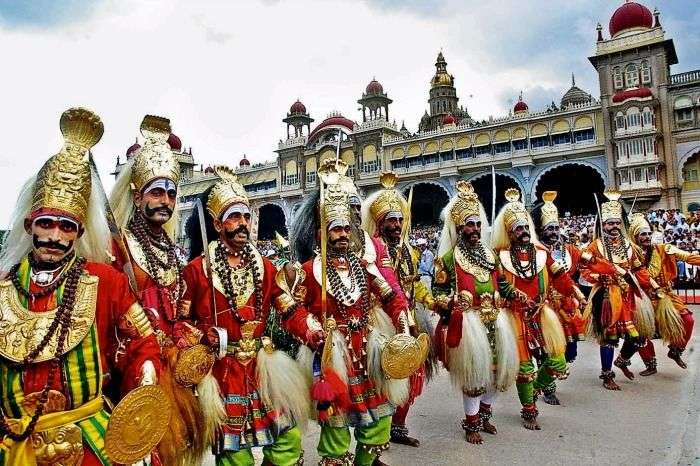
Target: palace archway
x,y
575,185
271,220
483,185
428,201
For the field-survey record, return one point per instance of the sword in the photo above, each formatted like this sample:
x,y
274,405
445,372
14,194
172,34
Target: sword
x,y
114,231
207,258
404,228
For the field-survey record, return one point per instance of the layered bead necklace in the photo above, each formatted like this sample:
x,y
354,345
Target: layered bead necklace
x,y
529,270
227,274
476,255
343,294
149,242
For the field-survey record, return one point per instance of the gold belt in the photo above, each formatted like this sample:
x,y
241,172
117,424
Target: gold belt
x,y
32,451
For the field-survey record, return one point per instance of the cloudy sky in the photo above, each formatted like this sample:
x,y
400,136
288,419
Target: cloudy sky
x,y
226,72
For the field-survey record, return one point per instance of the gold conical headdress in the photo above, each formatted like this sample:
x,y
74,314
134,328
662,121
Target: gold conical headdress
x,y
226,192
466,205
638,224
155,159
515,213
389,199
335,195
63,184
549,214
611,210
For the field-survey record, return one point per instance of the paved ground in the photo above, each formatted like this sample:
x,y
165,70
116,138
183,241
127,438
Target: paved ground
x,y
651,421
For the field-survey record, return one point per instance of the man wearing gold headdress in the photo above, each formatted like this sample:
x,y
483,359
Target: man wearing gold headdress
x,y
61,303
618,306
143,199
386,218
566,259
351,388
475,339
265,395
674,321
528,273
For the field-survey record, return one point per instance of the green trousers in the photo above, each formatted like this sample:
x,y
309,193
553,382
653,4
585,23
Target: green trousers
x,y
286,451
543,380
335,441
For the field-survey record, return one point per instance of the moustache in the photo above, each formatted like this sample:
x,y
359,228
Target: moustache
x,y
51,244
333,242
524,235
231,234
151,212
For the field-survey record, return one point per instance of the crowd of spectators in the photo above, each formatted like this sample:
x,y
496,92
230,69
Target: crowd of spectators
x,y
668,226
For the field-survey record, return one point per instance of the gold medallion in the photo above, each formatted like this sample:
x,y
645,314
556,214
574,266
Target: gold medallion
x,y
137,424
193,364
403,355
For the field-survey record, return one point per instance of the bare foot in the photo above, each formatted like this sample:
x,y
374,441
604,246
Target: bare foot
x,y
531,424
489,428
611,385
474,437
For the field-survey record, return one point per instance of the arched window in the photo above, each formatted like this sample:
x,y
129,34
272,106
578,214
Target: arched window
x,y
634,119
631,75
647,117
619,121
646,72
617,78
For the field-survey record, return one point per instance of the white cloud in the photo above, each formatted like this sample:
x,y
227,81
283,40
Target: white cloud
x,y
225,73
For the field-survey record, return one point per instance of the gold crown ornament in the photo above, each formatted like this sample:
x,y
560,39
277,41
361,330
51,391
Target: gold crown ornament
x,y
638,224
155,159
389,200
226,192
63,184
611,210
335,206
466,205
515,211
549,214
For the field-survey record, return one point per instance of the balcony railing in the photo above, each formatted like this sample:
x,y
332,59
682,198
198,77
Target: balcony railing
x,y
686,78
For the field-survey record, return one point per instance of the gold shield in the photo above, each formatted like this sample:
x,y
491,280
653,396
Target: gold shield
x,y
403,355
137,424
193,364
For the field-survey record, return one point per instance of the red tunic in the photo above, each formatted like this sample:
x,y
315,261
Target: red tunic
x,y
250,422
368,405
114,298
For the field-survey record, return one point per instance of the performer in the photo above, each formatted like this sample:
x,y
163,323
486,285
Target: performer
x,y
61,303
143,198
475,335
355,391
566,258
674,321
386,217
529,271
266,396
617,303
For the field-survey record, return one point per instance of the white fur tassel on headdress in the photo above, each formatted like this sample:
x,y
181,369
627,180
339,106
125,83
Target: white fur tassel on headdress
x,y
449,234
282,385
95,245
507,359
396,390
212,403
470,362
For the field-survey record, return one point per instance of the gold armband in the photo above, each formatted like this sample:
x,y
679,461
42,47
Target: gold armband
x,y
284,303
137,319
385,290
441,276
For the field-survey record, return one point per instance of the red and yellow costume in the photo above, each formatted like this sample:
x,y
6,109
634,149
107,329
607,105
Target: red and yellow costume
x,y
155,266
264,393
537,328
401,274
674,321
474,338
618,306
53,366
